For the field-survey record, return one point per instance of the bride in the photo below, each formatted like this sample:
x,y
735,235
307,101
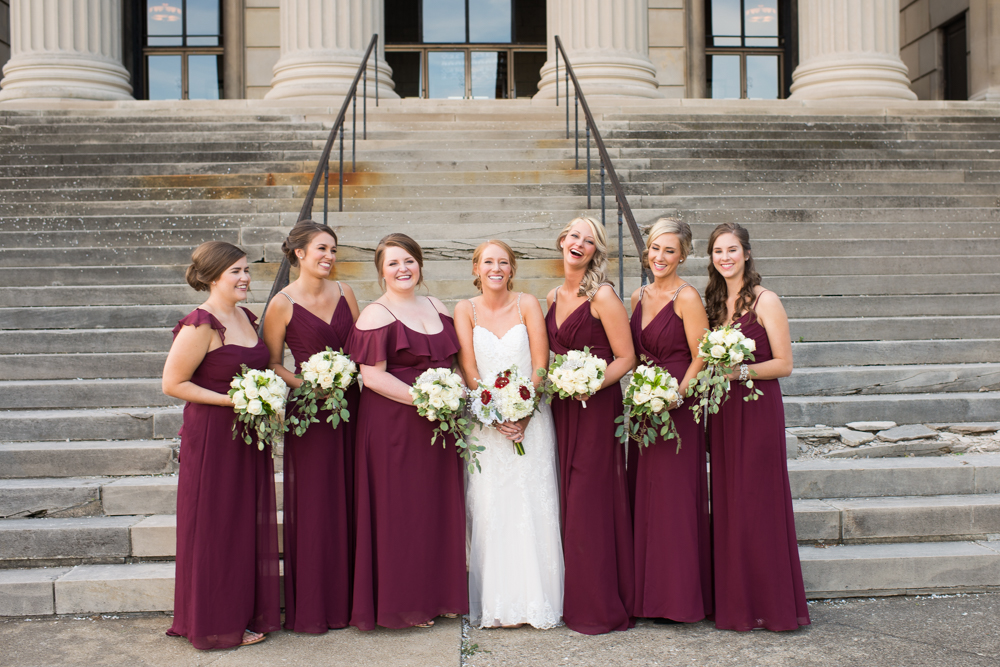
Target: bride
x,y
515,557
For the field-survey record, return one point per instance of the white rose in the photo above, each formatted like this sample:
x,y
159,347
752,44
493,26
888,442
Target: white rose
x,y
432,415
657,404
251,391
672,396
437,402
325,364
326,380
453,404
255,407
641,397
750,344
736,356
718,351
733,337
239,400
717,337
581,388
265,395
235,384
310,376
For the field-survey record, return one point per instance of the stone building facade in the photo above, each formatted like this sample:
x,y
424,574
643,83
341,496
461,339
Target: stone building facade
x,y
287,49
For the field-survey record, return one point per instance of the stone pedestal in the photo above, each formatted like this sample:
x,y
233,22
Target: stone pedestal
x,y
69,49
849,49
608,45
322,44
984,50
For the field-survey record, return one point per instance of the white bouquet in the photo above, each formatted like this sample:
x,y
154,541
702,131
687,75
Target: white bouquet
x,y
325,376
439,395
508,398
723,350
648,398
259,400
576,373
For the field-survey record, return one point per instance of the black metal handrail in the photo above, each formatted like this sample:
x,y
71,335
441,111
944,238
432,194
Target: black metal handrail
x,y
323,167
624,210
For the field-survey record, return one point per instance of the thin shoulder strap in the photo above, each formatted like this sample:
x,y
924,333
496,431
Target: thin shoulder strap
x,y
594,293
674,297
519,295
290,299
642,291
758,298
387,308
474,319
341,288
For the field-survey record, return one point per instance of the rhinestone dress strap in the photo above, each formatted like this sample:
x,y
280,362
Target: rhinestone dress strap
x,y
474,318
674,297
290,299
519,295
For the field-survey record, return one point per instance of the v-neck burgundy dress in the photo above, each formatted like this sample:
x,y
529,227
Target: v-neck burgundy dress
x,y
410,500
596,522
227,535
673,557
758,578
319,491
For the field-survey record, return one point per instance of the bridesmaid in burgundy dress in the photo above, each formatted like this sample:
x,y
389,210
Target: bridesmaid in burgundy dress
x,y
311,314
597,526
226,585
673,557
410,503
758,579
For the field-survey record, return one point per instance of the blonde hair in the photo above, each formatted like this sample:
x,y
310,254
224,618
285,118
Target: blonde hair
x,y
478,255
668,226
597,271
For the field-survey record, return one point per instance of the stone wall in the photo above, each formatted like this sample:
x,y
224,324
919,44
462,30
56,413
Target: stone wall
x,y
262,41
668,46
922,42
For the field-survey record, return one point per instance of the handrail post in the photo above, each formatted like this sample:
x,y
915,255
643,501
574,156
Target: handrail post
x,y
326,189
340,190
364,104
557,74
567,101
621,255
376,69
588,166
354,131
603,212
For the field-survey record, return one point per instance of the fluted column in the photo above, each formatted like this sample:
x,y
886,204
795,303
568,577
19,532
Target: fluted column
x,y
984,47
608,46
849,49
70,49
322,43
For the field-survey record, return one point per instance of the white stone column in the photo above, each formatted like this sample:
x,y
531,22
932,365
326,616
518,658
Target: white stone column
x,y
983,27
849,49
608,46
70,49
322,43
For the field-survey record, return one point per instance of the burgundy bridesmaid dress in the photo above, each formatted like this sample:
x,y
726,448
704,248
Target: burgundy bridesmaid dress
x,y
409,496
227,534
758,579
673,556
596,522
318,491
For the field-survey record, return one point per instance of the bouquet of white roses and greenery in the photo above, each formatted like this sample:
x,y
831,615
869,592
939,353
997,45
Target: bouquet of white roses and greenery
x,y
723,350
325,376
651,392
439,395
576,373
259,400
509,397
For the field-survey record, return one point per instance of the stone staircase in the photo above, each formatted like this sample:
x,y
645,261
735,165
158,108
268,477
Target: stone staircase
x,y
100,208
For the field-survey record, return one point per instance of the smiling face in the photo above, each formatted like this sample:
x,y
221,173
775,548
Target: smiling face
x,y
399,270
319,256
494,269
579,245
728,257
233,283
665,255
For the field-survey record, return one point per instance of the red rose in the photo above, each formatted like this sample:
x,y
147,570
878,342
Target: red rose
x,y
525,394
485,398
501,382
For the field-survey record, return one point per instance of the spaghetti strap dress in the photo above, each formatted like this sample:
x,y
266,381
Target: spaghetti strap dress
x,y
673,557
410,505
758,578
596,521
318,491
227,535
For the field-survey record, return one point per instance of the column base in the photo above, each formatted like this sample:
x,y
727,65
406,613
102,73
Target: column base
x,y
991,94
602,75
326,74
872,77
46,77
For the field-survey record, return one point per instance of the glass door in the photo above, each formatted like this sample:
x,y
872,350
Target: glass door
x,y
746,49
182,49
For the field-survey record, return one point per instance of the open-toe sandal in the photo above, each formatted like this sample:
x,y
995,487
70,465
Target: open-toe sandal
x,y
428,624
250,638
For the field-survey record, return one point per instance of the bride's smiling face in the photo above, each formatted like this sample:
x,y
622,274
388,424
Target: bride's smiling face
x,y
494,269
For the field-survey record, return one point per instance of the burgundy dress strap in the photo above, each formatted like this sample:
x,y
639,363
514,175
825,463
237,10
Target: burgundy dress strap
x,y
386,307
196,318
758,298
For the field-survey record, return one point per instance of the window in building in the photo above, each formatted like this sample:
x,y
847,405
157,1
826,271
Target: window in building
x,y
746,47
4,32
182,49
956,61
465,49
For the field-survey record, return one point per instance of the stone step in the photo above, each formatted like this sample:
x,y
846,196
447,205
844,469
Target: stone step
x,y
62,341
805,175
900,408
82,365
87,458
891,352
28,426
893,328
36,394
65,541
798,162
902,379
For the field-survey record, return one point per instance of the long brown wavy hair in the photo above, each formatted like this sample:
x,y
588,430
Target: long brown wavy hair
x,y
717,292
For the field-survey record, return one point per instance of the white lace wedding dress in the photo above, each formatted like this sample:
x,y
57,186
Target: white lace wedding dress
x,y
512,505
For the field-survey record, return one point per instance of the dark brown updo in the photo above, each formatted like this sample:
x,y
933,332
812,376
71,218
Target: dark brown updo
x,y
403,241
301,235
208,261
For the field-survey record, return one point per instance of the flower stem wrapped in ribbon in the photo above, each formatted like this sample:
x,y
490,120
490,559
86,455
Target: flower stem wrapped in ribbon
x,y
438,395
259,400
509,397
576,373
723,350
325,376
648,398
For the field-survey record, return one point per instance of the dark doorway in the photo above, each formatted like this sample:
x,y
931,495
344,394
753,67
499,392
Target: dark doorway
x,y
956,61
